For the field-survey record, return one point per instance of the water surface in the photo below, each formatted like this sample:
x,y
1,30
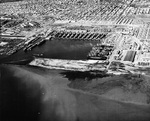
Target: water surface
x,y
56,49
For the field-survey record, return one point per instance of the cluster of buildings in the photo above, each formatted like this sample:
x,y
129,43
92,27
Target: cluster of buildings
x,y
125,25
16,32
100,52
71,10
12,25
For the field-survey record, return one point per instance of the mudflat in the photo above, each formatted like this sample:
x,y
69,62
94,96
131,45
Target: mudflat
x,y
36,94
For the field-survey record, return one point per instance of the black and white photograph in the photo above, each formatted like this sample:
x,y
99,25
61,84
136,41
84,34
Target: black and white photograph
x,y
74,60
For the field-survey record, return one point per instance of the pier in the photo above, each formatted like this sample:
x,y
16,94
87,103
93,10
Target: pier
x,y
79,35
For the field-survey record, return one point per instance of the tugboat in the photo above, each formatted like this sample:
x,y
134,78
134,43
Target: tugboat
x,y
38,55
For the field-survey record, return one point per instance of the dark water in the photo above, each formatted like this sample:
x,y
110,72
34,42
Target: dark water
x,y
16,103
37,94
56,49
34,94
4,1
65,49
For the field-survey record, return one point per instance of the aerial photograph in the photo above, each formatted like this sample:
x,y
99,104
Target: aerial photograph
x,y
74,60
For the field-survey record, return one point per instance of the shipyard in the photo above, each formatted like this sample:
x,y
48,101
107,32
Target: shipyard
x,y
74,60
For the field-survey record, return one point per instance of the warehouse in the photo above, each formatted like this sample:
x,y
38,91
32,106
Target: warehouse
x,y
130,55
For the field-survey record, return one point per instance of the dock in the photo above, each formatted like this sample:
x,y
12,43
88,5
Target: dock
x,y
80,35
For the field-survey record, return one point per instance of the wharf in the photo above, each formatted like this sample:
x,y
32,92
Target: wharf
x,y
80,35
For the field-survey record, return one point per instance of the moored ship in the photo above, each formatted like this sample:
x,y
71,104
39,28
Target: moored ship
x,y
100,52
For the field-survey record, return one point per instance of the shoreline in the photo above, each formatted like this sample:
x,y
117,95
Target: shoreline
x,y
85,89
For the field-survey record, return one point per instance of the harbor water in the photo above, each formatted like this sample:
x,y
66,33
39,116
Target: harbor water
x,y
55,49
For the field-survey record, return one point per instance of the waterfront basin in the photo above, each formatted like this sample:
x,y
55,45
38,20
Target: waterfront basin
x,y
55,49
